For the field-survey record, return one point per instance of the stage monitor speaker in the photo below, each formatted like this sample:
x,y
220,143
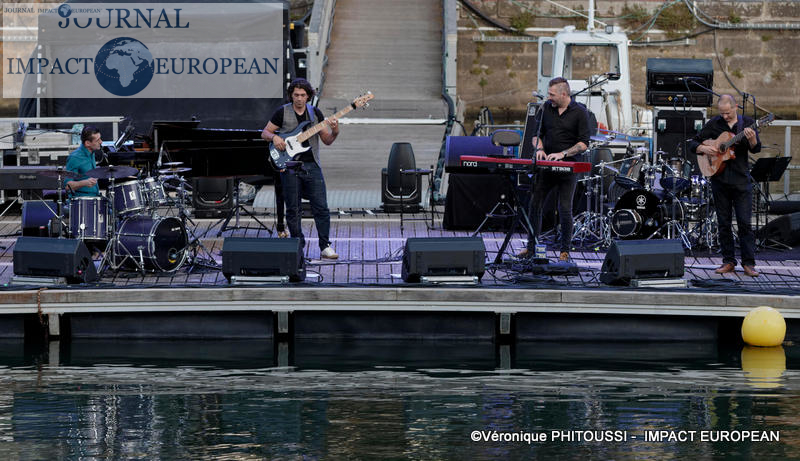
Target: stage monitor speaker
x,y
642,259
212,197
263,257
53,257
784,229
439,256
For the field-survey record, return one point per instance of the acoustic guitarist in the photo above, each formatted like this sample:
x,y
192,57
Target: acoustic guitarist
x,y
732,186
305,179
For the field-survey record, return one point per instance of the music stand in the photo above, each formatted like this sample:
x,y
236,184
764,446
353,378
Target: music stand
x,y
764,171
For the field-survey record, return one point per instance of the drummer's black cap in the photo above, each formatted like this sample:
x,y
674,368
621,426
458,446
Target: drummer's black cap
x,y
88,132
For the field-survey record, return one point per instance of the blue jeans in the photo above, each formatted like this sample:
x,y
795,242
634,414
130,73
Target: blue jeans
x,y
738,198
306,182
563,185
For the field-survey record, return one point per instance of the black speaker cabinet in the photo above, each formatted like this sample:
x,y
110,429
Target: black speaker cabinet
x,y
642,259
443,256
784,229
52,257
212,197
263,257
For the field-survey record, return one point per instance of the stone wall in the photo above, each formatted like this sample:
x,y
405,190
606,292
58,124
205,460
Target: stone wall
x,y
501,74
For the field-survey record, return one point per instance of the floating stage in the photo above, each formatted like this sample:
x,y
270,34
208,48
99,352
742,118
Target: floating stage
x,y
362,296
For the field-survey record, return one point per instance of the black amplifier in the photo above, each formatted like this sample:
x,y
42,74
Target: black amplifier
x,y
676,98
671,78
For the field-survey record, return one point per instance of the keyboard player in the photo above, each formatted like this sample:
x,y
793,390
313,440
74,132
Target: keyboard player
x,y
564,136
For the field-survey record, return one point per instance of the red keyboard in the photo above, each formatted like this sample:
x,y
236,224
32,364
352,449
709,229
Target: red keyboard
x,y
522,164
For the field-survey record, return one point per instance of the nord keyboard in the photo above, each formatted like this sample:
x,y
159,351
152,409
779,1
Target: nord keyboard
x,y
479,163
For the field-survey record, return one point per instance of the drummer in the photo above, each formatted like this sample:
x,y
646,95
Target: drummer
x,y
81,160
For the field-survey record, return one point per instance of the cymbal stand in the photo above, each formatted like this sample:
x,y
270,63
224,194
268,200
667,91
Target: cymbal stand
x,y
591,224
235,212
673,228
194,240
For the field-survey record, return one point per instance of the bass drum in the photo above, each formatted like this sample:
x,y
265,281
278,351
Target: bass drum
x,y
159,243
636,214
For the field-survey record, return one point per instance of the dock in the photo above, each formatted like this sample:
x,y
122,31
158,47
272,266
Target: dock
x,y
362,296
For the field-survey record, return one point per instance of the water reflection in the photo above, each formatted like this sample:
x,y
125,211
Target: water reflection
x,y
387,399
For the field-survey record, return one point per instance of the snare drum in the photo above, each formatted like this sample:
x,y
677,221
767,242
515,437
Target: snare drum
x,y
675,177
153,191
88,218
128,197
630,173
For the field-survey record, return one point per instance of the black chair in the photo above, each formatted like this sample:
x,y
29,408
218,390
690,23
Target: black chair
x,y
401,184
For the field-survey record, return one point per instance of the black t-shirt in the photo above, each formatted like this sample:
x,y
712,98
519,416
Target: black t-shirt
x,y
277,119
737,171
562,131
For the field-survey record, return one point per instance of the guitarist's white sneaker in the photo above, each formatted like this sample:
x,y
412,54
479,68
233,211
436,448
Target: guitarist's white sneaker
x,y
328,253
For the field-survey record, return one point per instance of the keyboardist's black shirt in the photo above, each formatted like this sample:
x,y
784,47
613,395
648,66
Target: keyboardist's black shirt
x,y
560,132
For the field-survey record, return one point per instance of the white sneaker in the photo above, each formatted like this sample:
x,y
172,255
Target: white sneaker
x,y
328,253
283,234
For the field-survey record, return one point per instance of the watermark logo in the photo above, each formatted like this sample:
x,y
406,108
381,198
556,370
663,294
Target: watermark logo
x,y
124,66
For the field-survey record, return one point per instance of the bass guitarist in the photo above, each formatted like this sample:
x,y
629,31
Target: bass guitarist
x,y
304,179
732,186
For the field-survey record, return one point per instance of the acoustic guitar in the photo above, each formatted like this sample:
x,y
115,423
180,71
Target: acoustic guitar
x,y
714,164
296,139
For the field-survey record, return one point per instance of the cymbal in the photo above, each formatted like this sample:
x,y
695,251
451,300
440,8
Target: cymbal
x,y
108,172
174,170
172,164
599,138
55,173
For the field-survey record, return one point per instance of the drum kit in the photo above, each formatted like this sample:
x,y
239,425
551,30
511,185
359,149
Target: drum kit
x,y
130,221
646,200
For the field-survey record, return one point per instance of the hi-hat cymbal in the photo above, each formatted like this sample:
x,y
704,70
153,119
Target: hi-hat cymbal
x,y
172,164
59,172
108,172
174,170
599,138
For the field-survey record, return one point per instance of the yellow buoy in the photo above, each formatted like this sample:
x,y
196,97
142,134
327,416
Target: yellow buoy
x,y
764,366
763,326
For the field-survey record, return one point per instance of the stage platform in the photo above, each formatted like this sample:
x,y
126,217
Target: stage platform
x,y
361,295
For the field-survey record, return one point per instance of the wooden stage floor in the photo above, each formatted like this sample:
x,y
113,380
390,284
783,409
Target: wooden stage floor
x,y
370,246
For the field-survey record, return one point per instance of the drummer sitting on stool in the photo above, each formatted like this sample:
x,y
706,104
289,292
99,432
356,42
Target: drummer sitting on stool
x,y
81,160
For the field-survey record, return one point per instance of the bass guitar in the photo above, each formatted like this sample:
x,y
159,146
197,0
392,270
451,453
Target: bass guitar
x,y
296,139
714,164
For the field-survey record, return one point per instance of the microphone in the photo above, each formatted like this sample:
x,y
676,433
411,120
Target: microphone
x,y
124,137
613,75
536,94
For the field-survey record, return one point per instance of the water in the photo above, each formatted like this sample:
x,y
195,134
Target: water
x,y
392,400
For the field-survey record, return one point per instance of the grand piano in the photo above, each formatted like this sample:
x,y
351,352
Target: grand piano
x,y
207,151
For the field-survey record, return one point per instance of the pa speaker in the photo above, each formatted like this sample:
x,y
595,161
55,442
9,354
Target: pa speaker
x,y
212,197
439,256
642,259
263,257
784,229
53,257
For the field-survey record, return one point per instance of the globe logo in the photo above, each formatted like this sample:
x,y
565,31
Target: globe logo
x,y
124,66
64,10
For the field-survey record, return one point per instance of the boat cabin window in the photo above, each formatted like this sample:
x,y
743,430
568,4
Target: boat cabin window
x,y
547,60
583,61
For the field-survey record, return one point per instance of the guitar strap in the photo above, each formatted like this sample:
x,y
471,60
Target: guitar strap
x,y
739,124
